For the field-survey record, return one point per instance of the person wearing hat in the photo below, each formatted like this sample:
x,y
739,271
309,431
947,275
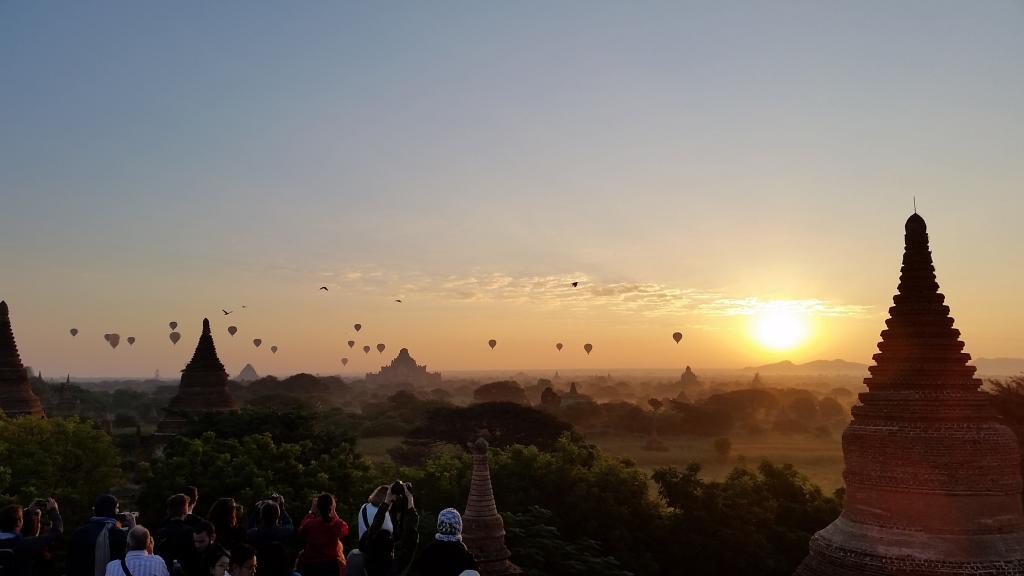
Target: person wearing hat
x,y
446,555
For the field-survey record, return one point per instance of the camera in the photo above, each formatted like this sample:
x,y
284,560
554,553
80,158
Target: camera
x,y
127,517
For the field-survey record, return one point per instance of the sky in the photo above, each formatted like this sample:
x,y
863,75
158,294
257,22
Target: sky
x,y
692,164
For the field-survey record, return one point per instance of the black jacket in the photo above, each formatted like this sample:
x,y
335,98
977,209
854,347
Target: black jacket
x,y
174,542
387,554
82,546
443,559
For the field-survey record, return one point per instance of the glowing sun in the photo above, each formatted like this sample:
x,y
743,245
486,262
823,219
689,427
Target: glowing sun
x,y
780,328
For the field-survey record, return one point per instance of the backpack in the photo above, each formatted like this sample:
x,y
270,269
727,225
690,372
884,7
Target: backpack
x,y
377,547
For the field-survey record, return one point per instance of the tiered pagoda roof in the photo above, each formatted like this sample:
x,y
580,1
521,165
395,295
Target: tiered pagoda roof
x,y
16,395
933,482
203,387
404,370
483,529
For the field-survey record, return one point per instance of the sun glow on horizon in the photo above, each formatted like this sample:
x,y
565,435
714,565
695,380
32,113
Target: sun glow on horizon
x,y
779,327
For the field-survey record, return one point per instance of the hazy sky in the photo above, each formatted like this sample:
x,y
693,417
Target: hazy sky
x,y
689,162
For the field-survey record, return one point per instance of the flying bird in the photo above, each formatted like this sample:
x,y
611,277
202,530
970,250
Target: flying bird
x,y
324,288
399,301
575,284
226,312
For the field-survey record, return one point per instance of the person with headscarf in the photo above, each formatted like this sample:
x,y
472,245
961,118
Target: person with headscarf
x,y
446,555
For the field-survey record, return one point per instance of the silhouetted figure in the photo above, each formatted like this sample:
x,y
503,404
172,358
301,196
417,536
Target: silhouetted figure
x,y
98,541
24,550
271,537
174,541
446,555
389,552
224,517
205,550
322,531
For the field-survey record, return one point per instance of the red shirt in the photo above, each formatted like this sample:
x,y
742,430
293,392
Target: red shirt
x,y
323,539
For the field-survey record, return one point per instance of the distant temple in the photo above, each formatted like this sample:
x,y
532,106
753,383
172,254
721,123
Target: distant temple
x,y
687,381
933,483
16,395
483,529
203,387
67,402
248,374
404,370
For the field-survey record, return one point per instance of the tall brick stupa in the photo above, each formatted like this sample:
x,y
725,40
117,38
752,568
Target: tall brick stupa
x,y
16,395
203,387
933,484
483,530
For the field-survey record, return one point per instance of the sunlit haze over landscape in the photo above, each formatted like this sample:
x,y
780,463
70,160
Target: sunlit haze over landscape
x,y
739,175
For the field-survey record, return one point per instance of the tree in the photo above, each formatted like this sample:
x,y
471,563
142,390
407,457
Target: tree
x,y
505,423
751,523
540,549
502,391
67,459
830,409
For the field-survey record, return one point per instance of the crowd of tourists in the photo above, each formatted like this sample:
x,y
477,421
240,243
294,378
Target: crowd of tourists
x,y
228,542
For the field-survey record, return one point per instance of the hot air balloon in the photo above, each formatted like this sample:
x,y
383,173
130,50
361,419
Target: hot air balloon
x,y
358,327
232,330
257,342
492,343
380,348
174,336
106,337
344,361
74,332
173,325
677,336
273,349
558,346
114,340
366,349
351,343
131,340
587,348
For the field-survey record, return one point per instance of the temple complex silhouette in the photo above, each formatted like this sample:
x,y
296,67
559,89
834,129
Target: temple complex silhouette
x,y
203,387
933,483
404,370
16,395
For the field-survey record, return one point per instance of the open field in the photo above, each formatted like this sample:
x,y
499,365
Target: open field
x,y
820,459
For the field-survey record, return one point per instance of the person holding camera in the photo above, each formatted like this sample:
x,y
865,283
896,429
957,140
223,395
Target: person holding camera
x,y
322,531
224,516
389,553
23,550
271,536
98,541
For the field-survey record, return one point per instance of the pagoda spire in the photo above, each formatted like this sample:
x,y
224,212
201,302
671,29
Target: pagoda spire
x,y
933,483
483,529
203,387
16,395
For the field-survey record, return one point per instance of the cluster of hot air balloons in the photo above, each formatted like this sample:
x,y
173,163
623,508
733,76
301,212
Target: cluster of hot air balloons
x,y
174,336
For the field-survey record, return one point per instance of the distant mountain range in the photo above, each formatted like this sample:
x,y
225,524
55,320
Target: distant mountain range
x,y
811,368
999,366
986,367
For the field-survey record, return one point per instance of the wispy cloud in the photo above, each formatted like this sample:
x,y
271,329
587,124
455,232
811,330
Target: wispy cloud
x,y
649,299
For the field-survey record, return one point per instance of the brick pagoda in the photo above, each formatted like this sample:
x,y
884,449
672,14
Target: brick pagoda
x,y
483,529
933,484
16,395
203,388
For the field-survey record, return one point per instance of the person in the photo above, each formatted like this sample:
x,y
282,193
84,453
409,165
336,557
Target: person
x,y
191,518
446,555
175,538
224,517
218,564
205,549
139,560
98,541
271,536
322,531
24,549
369,510
243,561
389,553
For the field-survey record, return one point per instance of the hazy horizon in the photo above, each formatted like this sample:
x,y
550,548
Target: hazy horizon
x,y
696,166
